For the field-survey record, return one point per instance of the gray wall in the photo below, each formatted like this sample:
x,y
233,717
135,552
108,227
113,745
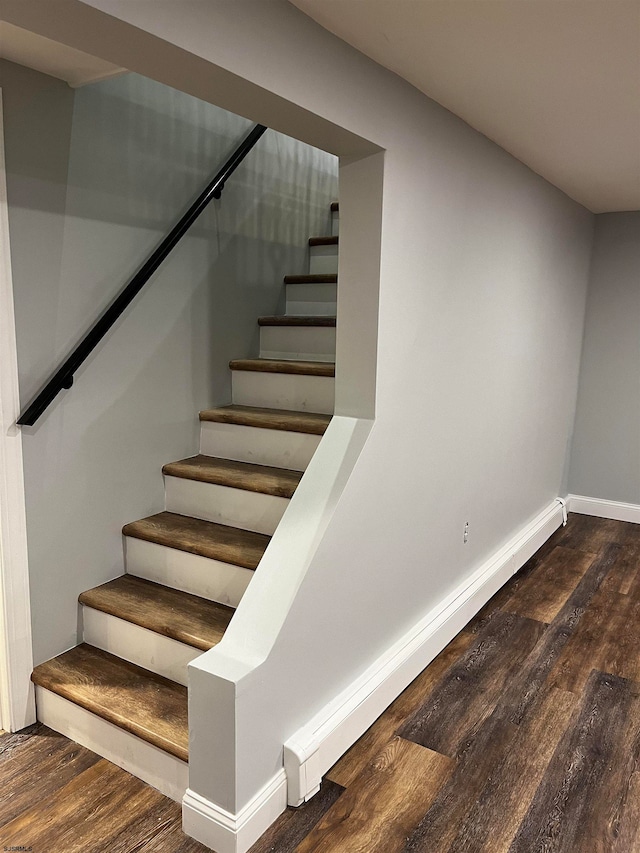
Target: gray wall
x,y
482,285
94,182
605,458
482,288
38,113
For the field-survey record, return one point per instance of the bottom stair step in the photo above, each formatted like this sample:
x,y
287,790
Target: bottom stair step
x,y
131,698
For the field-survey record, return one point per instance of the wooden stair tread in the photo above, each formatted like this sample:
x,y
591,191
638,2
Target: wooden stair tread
x,y
132,698
323,241
282,419
313,278
274,365
279,482
204,538
183,617
297,320
335,206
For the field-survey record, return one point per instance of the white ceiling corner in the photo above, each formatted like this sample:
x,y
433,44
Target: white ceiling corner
x,y
554,82
50,57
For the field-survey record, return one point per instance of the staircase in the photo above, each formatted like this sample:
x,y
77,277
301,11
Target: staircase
x,y
123,692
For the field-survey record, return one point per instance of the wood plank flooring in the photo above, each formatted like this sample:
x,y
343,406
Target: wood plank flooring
x,y
522,736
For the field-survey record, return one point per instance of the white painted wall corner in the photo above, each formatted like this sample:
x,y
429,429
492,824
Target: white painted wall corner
x,y
617,510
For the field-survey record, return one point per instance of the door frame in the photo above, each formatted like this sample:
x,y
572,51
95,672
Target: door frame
x,y
17,702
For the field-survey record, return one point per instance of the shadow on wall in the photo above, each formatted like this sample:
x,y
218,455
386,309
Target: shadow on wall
x,y
138,153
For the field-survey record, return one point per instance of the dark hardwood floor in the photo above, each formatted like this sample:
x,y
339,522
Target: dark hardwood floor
x,y
523,736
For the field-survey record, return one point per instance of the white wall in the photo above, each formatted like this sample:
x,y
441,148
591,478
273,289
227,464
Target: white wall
x,y
131,160
477,276
605,457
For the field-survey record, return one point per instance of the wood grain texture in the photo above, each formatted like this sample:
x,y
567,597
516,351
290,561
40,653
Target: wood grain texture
x,y
186,618
314,278
625,818
607,636
132,698
571,809
280,419
536,768
510,589
276,365
384,803
624,576
42,764
527,684
477,758
293,320
294,825
586,532
205,538
511,786
630,534
471,688
323,241
542,594
84,815
613,810
10,742
247,476
156,829
374,739
171,839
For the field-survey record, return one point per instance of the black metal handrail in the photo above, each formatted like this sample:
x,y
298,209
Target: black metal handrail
x,y
63,377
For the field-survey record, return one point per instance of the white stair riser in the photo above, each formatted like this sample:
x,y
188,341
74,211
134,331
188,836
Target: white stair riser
x,y
306,343
225,505
299,393
275,447
323,259
311,300
212,579
157,768
335,223
138,645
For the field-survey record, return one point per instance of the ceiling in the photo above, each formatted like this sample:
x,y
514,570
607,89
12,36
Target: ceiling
x,y
554,82
50,57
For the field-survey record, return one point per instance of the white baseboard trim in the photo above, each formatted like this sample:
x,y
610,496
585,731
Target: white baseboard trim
x,y
224,832
319,744
616,510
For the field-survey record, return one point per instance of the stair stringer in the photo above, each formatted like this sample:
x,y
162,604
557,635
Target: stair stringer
x,y
221,808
